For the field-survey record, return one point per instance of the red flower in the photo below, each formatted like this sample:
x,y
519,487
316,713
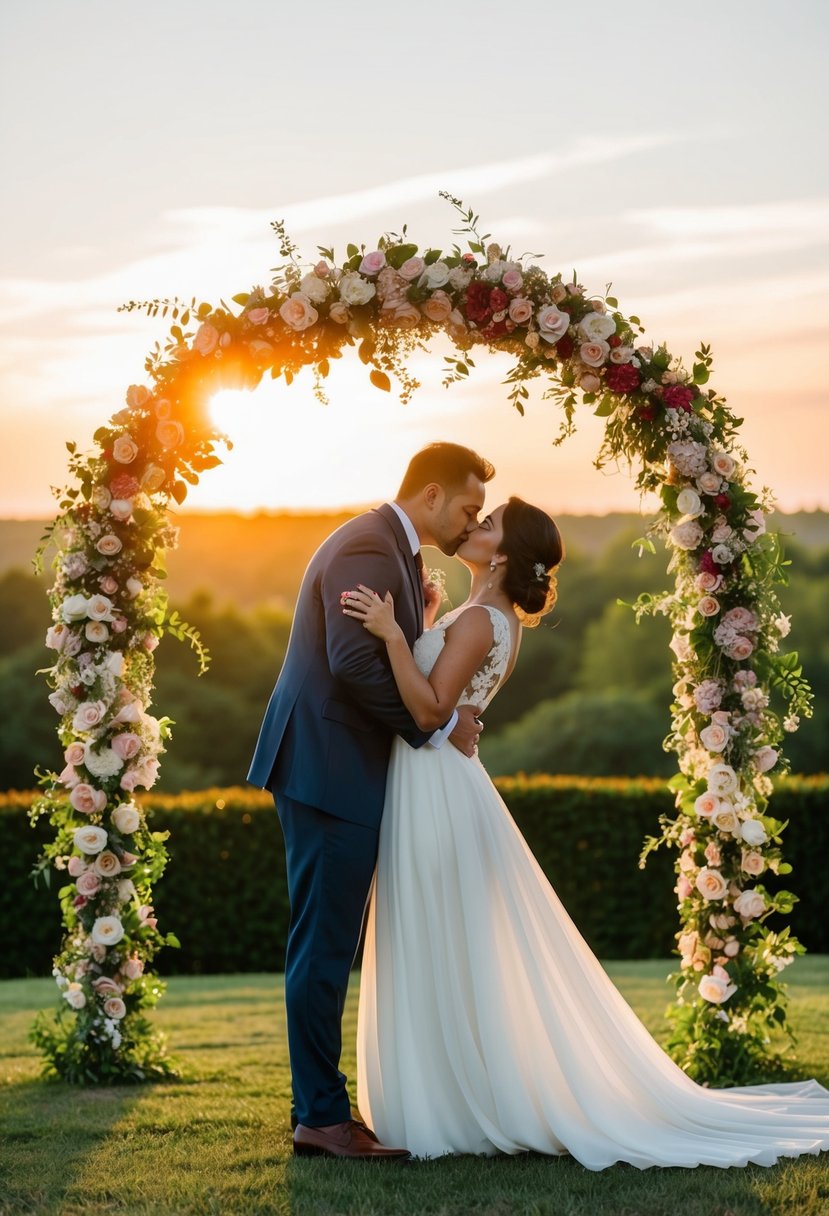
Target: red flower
x,y
565,346
707,563
124,485
478,306
646,413
495,330
723,501
622,378
614,340
679,397
498,300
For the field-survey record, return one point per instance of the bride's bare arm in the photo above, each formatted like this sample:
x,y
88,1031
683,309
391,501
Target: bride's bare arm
x,y
467,642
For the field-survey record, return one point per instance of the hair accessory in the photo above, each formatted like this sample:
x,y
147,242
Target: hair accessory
x,y
540,571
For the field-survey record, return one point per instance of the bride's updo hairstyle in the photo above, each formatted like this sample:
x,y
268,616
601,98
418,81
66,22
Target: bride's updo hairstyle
x,y
534,550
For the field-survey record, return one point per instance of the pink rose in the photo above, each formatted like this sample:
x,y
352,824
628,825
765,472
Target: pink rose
x,y
712,854
206,339
684,887
125,449
87,800
88,884
438,307
594,354
520,310
706,581
298,312
119,624
714,737
258,316
709,605
322,269
765,758
114,1007
132,968
740,649
513,280
108,584
129,780
126,745
69,776
170,433
76,866
109,545
741,619
552,323
338,313
373,263
589,382
412,269
145,916
150,642
709,482
74,753
88,715
105,986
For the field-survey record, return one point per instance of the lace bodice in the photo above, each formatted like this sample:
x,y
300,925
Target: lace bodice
x,y
484,684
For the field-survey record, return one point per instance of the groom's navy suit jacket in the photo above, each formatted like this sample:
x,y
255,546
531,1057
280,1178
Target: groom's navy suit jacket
x,y
329,725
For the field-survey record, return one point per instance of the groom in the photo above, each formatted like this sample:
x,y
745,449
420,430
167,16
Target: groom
x,y
323,751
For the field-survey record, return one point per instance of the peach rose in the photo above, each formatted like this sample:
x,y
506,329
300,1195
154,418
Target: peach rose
x,y
107,864
114,1007
153,478
709,482
108,584
713,737
109,545
170,433
711,884
438,307
125,449
594,354
206,339
589,382
412,269
145,916
126,818
706,581
74,753
405,316
725,818
717,986
74,995
706,804
132,968
520,310
258,316
752,862
709,605
723,464
298,312
104,986
137,396
96,632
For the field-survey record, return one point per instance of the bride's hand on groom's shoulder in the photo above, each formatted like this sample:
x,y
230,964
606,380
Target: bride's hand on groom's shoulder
x,y
376,615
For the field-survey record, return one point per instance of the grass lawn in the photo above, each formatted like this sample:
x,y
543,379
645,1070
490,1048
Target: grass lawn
x,y
218,1142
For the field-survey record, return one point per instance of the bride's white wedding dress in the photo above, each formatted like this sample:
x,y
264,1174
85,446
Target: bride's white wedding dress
x,y
487,1025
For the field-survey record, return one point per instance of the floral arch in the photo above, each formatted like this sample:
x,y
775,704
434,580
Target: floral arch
x,y
109,610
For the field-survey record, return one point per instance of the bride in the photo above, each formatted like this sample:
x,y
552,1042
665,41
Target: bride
x,y
485,1023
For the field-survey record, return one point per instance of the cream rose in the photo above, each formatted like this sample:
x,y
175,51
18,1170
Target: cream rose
x,y
74,995
436,275
169,433
765,758
722,779
114,1007
121,509
74,608
688,502
124,449
438,307
126,818
96,632
725,818
354,289
594,354
99,608
107,931
596,327
713,737
753,832
752,862
107,864
314,288
89,840
750,904
298,312
711,884
553,323
709,482
709,605
621,354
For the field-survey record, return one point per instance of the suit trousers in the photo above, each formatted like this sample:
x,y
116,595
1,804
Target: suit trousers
x,y
330,864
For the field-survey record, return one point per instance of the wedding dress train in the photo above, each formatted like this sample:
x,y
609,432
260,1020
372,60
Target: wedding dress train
x,y
487,1025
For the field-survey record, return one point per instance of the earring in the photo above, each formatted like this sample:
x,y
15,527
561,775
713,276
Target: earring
x,y
493,565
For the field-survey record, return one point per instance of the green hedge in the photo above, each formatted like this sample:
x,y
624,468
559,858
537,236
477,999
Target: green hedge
x,y
225,895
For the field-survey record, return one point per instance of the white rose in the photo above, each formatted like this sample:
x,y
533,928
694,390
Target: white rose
x,y
725,818
314,288
103,763
687,534
434,276
709,482
711,884
90,839
722,779
688,502
753,832
99,608
750,904
596,327
355,290
95,632
74,608
107,931
126,818
622,354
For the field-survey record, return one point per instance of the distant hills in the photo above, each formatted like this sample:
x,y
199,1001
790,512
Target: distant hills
x,y
250,559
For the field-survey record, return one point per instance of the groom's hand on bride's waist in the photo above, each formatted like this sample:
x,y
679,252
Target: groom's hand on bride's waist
x,y
467,730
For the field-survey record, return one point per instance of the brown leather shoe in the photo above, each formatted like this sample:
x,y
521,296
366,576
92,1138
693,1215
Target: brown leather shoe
x,y
351,1140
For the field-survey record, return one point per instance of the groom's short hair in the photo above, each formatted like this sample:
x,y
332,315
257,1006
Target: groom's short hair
x,y
448,465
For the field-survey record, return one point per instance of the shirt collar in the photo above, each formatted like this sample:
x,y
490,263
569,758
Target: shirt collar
x,y
408,527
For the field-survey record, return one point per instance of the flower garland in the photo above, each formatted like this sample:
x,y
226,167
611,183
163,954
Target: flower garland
x,y
110,609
